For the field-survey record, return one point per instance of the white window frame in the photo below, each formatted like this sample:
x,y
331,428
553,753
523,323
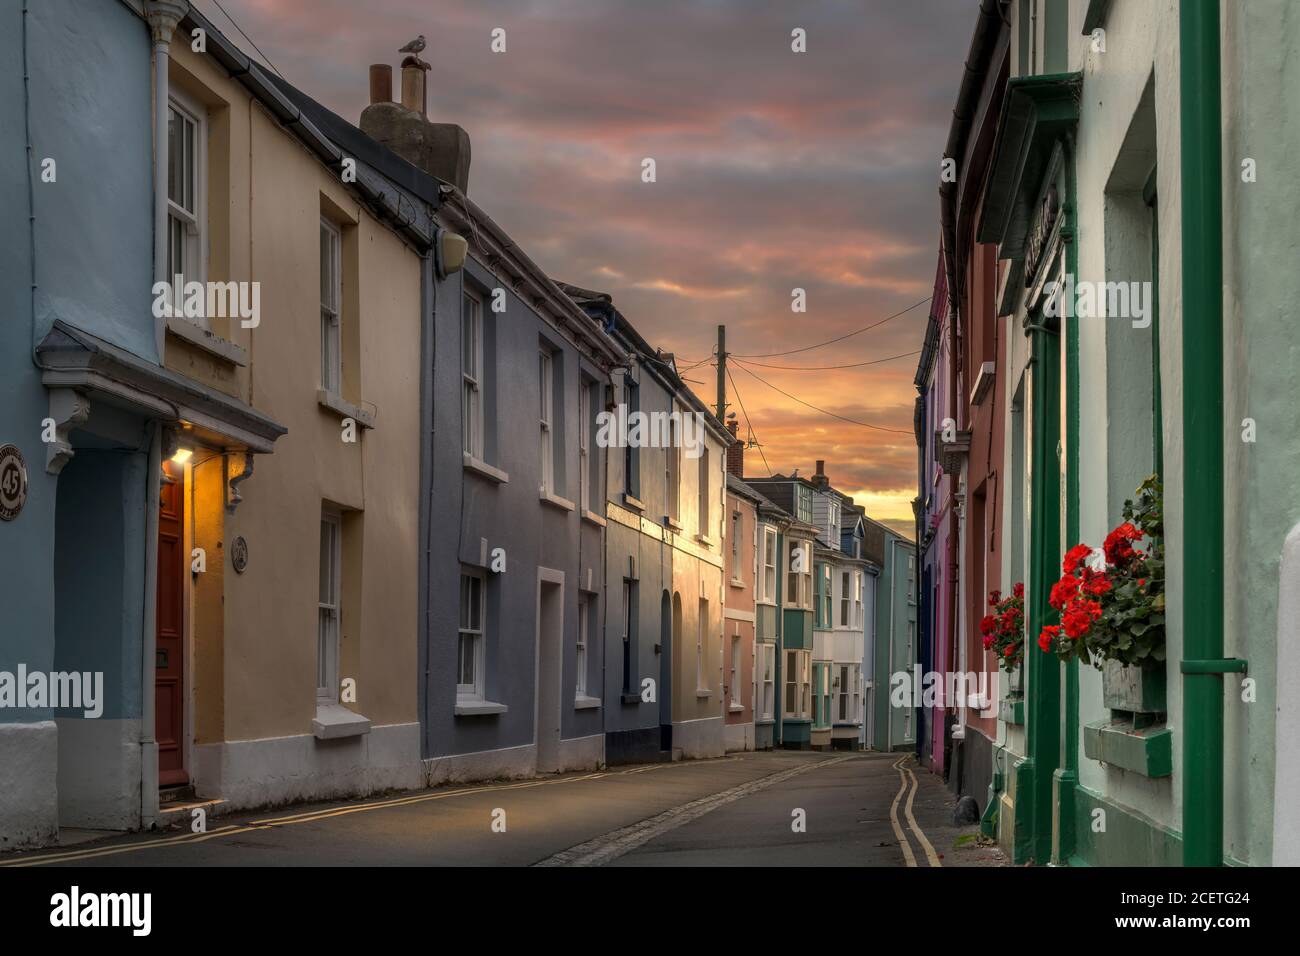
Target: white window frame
x,y
801,672
546,419
331,313
846,599
475,690
827,596
627,636
472,378
703,515
191,221
803,589
329,609
845,674
737,540
701,633
584,453
767,653
580,649
771,568
673,471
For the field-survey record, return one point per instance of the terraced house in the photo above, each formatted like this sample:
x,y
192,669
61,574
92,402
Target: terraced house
x,y
1135,301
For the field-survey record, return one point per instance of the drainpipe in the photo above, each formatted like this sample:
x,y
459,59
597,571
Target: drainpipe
x,y
163,16
149,631
1203,664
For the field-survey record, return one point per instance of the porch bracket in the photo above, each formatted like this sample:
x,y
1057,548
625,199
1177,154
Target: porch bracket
x,y
68,409
233,483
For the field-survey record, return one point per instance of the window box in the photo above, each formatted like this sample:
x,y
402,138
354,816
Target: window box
x,y
1011,710
1148,751
1132,689
344,409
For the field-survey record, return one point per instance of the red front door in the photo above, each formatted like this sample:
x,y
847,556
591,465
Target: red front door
x,y
169,684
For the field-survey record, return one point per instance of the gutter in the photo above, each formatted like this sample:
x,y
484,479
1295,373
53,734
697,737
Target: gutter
x,y
1203,664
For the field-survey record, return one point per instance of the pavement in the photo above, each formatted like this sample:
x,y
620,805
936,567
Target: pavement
x,y
783,808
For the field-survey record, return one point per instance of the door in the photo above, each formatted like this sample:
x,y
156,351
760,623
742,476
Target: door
x,y
550,651
169,678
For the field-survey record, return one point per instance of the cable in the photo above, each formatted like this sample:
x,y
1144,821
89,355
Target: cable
x,y
851,421
839,338
249,39
825,368
749,423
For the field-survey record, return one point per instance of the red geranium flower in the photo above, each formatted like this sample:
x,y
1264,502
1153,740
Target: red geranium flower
x,y
1074,557
1018,590
1049,634
1063,591
1118,546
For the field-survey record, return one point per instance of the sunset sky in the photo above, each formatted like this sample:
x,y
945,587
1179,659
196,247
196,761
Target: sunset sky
x,y
775,170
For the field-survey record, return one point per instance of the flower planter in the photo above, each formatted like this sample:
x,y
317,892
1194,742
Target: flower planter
x,y
1139,690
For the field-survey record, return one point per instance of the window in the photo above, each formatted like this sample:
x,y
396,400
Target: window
x,y
833,523
185,189
629,629
631,454
824,595
545,413
331,283
858,621
844,698
767,686
469,657
580,651
737,535
673,469
701,635
327,627
799,575
797,676
704,492
768,581
735,670
824,682
846,596
591,491
803,503
471,338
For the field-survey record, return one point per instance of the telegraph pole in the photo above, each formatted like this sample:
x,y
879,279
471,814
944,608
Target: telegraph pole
x,y
722,373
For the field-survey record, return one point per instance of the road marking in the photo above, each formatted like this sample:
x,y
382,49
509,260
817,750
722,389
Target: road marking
x,y
616,843
893,815
70,855
911,821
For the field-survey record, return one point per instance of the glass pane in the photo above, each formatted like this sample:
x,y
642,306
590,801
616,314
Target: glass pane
x,y
323,631
189,163
468,344
326,563
465,662
476,604
173,156
325,266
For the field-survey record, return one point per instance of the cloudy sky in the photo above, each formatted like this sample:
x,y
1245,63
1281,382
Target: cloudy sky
x,y
775,170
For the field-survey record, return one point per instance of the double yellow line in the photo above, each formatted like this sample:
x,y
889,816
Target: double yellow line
x,y
905,776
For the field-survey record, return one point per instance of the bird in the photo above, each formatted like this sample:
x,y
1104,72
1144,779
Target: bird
x,y
415,46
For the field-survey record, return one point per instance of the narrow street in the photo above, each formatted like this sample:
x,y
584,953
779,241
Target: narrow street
x,y
741,810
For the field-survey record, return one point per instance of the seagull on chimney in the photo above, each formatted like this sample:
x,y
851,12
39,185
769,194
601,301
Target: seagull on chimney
x,y
414,47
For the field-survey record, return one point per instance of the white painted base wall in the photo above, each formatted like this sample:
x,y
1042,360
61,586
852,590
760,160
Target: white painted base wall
x,y
29,758
99,773
510,763
693,739
582,753
279,770
738,737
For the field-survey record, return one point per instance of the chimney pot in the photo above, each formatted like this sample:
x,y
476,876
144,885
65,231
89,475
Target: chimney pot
x,y
413,79
381,83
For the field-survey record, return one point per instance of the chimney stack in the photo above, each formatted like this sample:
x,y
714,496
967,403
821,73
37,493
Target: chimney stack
x,y
381,83
820,480
735,452
440,149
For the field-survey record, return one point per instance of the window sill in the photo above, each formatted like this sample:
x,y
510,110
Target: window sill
x,y
479,708
555,501
630,698
632,501
672,525
701,693
483,469
705,540
207,340
586,703
593,518
343,408
735,708
333,721
739,584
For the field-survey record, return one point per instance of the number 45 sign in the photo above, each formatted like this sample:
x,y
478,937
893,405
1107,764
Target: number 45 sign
x,y
13,482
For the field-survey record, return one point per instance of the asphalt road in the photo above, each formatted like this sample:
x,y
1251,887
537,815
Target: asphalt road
x,y
778,808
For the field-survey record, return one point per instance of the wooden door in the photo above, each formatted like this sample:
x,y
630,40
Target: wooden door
x,y
169,681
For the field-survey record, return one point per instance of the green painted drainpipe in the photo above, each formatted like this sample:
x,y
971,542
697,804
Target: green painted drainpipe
x,y
1203,664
